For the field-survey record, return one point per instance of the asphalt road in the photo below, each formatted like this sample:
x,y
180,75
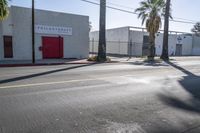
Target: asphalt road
x,y
132,97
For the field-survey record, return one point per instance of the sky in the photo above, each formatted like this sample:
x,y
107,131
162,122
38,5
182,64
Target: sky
x,y
184,9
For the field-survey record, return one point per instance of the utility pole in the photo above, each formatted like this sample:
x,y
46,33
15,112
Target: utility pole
x,y
102,32
33,31
165,54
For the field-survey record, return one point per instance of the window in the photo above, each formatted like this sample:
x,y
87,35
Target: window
x,y
8,48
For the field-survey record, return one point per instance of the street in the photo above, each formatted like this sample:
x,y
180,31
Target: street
x,y
126,97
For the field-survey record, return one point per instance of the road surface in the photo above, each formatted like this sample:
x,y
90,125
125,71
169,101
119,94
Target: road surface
x,y
132,97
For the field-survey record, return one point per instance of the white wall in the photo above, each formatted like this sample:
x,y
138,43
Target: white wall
x,y
196,45
6,28
159,44
137,42
120,34
137,39
75,46
186,44
94,37
117,41
22,35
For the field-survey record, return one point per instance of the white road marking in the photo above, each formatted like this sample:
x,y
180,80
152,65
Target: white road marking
x,y
62,90
44,83
123,79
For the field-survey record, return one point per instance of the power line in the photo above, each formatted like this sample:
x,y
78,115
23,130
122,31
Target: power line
x,y
110,7
179,21
186,19
118,5
114,8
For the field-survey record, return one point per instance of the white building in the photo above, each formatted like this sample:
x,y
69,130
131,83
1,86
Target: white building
x,y
57,35
133,41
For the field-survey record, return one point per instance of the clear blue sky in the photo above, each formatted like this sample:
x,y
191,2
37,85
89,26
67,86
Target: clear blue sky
x,y
187,9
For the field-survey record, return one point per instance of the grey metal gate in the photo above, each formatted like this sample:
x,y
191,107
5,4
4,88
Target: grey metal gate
x,y
145,48
178,49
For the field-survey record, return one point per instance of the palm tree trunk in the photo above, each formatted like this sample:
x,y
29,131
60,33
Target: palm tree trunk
x,y
165,55
102,32
152,47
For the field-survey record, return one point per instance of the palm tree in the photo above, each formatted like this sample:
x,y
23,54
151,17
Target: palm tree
x,y
165,55
196,29
102,32
3,9
151,11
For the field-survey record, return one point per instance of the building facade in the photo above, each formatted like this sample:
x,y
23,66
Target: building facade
x,y
133,41
57,35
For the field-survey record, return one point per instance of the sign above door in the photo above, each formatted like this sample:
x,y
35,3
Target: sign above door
x,y
56,30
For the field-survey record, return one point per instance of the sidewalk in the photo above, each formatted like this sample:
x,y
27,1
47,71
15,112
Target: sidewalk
x,y
18,63
15,63
132,60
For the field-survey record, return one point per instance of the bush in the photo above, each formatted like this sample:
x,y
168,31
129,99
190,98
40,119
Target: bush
x,y
94,58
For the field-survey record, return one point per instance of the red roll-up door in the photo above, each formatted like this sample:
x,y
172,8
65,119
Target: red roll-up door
x,y
52,47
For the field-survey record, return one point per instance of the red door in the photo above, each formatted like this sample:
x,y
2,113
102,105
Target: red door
x,y
52,47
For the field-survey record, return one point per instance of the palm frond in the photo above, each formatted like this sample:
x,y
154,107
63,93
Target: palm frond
x,y
3,9
151,12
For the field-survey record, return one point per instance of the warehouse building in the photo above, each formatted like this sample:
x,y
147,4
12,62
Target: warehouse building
x,y
57,35
134,41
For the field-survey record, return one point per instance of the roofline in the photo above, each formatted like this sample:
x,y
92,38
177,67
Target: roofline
x,y
112,28
142,29
160,30
49,11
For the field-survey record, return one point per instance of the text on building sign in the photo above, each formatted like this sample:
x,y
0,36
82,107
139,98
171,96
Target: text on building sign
x,y
44,29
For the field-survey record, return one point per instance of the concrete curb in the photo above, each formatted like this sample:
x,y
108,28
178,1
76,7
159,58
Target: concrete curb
x,y
24,65
52,64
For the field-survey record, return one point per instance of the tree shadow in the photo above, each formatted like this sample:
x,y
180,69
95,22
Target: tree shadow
x,y
155,63
42,73
191,84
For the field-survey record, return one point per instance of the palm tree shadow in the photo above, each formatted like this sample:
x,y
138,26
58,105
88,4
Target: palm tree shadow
x,y
41,74
148,63
191,84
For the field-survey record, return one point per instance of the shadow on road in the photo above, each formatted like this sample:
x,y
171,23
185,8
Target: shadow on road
x,y
155,63
42,73
191,84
